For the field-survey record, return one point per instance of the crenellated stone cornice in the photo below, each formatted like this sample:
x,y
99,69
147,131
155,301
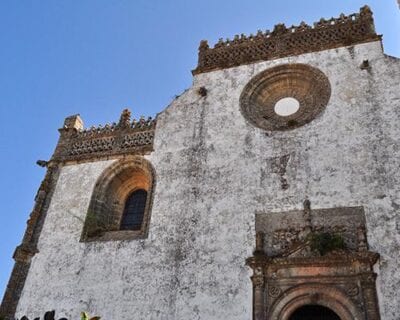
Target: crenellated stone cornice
x,y
288,41
125,137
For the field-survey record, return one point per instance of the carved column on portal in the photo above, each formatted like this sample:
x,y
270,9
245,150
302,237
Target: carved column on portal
x,y
257,263
370,296
258,293
368,279
307,216
362,239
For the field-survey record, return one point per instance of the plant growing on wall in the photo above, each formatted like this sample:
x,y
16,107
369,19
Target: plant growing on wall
x,y
95,224
324,242
85,316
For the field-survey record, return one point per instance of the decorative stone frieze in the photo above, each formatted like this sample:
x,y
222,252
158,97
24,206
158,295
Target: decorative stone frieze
x,y
126,137
281,237
288,41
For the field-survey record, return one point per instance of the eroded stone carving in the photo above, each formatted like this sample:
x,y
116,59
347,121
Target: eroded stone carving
x,y
274,291
286,41
294,274
349,222
308,85
352,290
125,137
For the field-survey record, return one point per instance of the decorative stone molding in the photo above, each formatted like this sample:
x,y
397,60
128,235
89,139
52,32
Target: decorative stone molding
x,y
28,247
274,291
323,294
126,137
308,85
108,199
282,240
288,41
293,275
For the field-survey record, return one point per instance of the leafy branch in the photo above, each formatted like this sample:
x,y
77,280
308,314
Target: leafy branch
x,y
85,316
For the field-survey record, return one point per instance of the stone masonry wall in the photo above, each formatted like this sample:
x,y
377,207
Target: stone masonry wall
x,y
214,172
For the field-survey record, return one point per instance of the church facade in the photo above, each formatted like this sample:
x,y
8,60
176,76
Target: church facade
x,y
268,190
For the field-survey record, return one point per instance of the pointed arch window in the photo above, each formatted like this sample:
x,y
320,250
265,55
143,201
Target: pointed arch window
x,y
135,205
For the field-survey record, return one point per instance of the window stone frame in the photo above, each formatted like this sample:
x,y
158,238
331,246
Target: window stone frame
x,y
303,82
108,199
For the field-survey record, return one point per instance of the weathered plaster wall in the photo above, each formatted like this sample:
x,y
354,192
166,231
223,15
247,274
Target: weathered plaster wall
x,y
214,172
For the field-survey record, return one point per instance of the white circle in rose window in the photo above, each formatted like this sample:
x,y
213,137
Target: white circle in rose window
x,y
286,106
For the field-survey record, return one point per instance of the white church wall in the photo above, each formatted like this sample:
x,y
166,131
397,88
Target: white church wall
x,y
214,171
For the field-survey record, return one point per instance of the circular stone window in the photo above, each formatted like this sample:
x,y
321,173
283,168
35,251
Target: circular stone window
x,y
286,106
285,97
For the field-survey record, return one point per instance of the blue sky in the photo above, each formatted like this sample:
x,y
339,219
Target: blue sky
x,y
96,57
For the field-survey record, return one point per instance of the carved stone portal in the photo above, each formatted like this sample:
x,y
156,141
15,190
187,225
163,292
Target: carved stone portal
x,y
313,257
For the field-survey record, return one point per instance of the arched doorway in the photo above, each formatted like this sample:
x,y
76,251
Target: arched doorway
x,y
314,312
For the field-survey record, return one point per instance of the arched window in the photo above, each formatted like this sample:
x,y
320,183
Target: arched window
x,y
135,205
121,202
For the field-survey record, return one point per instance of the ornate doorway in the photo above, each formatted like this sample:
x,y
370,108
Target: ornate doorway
x,y
314,312
313,264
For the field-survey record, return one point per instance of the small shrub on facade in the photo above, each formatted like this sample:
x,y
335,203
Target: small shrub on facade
x,y
325,242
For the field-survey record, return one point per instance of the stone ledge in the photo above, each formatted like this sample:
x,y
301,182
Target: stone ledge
x,y
118,235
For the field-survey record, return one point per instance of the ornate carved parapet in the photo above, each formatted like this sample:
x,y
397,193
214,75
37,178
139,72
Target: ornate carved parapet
x,y
287,41
124,137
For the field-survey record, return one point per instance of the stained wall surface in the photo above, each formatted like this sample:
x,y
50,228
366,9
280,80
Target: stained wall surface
x,y
214,171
